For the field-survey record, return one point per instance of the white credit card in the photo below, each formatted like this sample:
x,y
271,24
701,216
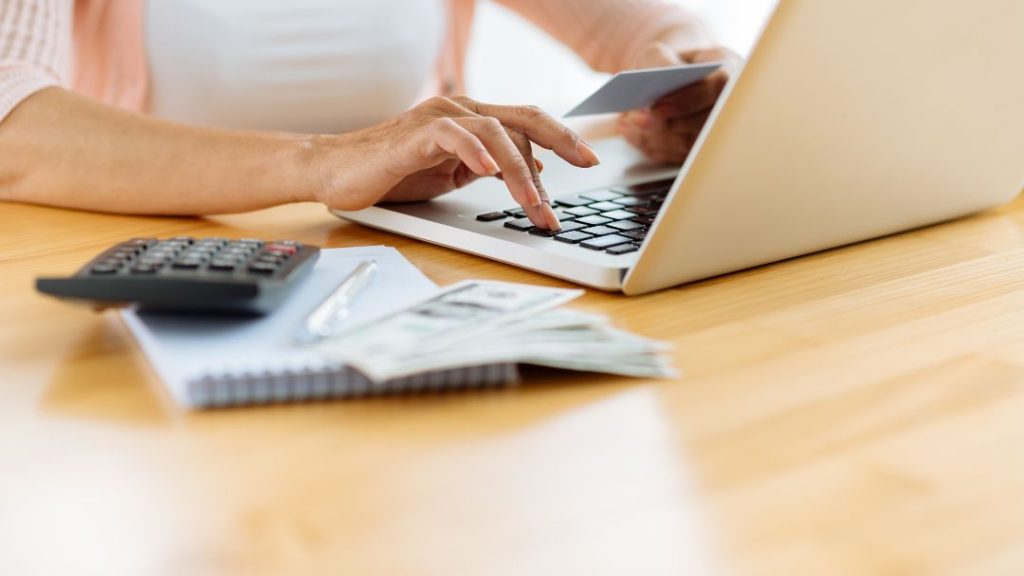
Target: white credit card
x,y
641,88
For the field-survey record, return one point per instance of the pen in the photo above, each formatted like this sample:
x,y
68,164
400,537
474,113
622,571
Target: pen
x,y
323,321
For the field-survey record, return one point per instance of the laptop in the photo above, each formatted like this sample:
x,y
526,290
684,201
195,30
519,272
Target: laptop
x,y
850,120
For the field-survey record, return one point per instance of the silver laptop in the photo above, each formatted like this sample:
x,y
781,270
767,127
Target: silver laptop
x,y
851,120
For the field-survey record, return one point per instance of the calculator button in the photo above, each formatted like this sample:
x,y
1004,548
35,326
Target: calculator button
x,y
262,268
187,265
223,265
281,249
104,268
141,268
182,239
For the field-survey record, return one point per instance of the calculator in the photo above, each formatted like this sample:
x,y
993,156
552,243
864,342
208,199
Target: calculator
x,y
183,274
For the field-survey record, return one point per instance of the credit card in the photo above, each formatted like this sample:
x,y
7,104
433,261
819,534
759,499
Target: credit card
x,y
641,88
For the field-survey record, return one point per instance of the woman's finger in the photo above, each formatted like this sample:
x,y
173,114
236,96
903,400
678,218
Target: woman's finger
x,y
515,170
542,215
542,128
456,141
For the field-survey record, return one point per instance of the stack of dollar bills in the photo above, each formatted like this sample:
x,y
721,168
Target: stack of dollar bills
x,y
482,323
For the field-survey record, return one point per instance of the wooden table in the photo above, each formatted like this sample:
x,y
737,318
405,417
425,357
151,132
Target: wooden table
x,y
859,411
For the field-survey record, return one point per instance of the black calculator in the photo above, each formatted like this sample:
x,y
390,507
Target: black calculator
x,y
184,274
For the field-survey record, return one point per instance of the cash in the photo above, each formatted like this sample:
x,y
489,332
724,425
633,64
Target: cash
x,y
479,323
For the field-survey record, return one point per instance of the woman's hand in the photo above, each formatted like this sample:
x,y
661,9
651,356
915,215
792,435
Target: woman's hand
x,y
667,131
441,145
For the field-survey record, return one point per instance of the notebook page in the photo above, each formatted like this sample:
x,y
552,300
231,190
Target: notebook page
x,y
183,349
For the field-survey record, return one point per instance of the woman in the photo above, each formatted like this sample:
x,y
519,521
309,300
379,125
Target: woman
x,y
201,107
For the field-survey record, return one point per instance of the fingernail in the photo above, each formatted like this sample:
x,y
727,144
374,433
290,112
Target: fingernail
x,y
532,194
540,165
587,153
551,217
489,164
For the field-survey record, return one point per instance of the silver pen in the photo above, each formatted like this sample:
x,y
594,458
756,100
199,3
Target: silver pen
x,y
325,319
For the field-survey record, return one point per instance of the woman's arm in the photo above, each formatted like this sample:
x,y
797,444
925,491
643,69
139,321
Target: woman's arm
x,y
62,149
612,35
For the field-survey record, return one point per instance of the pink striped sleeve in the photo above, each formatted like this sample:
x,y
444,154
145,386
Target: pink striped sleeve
x,y
35,48
609,34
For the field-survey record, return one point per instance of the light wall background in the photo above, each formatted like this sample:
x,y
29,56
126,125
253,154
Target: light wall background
x,y
511,61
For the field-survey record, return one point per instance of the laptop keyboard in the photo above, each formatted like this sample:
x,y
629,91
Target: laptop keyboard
x,y
613,220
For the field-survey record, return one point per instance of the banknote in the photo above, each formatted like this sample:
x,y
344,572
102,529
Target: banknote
x,y
477,323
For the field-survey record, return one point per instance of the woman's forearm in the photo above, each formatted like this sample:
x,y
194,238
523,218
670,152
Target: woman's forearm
x,y
62,149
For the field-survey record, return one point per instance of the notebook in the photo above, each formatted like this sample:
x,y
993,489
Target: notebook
x,y
208,362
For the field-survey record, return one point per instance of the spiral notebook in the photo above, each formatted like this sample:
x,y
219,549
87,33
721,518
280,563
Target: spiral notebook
x,y
208,362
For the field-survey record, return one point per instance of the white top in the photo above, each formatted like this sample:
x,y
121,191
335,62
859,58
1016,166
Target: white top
x,y
316,66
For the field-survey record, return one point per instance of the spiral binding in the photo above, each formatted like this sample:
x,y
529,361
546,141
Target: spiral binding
x,y
336,381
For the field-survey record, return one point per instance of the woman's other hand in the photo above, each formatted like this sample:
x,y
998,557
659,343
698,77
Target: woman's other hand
x,y
667,131
441,145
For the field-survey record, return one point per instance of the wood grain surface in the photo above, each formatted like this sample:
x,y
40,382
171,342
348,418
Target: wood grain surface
x,y
858,411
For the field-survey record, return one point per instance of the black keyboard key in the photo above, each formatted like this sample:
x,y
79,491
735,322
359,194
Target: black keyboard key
x,y
626,225
563,215
600,230
520,224
491,216
544,232
618,215
187,265
604,206
600,195
645,220
516,212
573,201
594,220
630,201
656,187
643,210
602,242
572,237
581,211
636,234
572,226
622,249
